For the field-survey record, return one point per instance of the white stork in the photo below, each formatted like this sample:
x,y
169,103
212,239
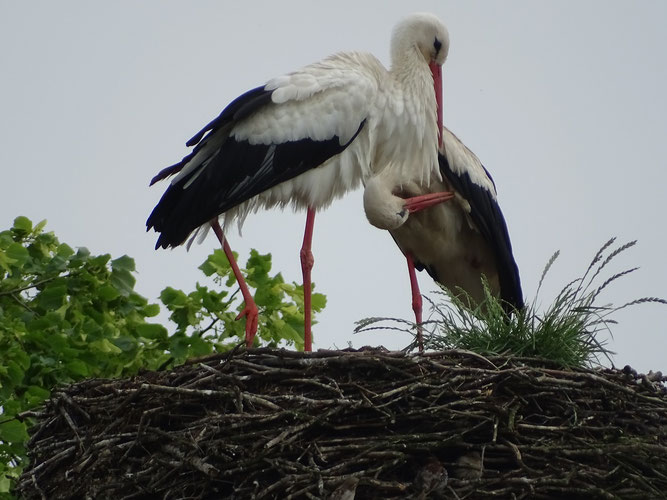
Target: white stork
x,y
305,139
456,242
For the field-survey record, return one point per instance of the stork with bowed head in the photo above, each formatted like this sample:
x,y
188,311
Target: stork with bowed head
x,y
456,242
305,139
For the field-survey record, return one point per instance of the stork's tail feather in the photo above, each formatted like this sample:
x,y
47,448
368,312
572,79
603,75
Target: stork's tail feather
x,y
167,219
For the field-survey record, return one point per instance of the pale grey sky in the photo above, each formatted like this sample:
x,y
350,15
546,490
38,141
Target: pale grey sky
x,y
564,102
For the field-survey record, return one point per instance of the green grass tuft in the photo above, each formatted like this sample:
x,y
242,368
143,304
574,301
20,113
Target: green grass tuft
x,y
567,332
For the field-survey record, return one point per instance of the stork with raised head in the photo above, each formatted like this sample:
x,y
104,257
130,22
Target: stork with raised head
x,y
305,139
456,242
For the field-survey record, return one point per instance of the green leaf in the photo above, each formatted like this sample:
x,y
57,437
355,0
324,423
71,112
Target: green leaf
x,y
52,297
318,301
200,347
152,310
5,262
126,343
108,293
17,354
123,281
22,226
77,367
258,267
58,264
99,260
14,372
212,300
123,263
269,297
64,250
18,253
178,346
5,484
152,331
172,297
216,263
13,431
82,255
34,395
39,226
105,346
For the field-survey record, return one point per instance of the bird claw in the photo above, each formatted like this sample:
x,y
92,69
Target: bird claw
x,y
251,314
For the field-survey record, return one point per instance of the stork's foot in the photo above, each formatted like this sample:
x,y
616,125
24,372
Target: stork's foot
x,y
250,310
251,314
416,301
420,338
417,308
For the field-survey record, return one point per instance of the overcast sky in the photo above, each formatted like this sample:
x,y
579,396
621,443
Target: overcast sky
x,y
564,102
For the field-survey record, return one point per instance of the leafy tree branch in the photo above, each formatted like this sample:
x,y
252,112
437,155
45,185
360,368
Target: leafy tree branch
x,y
66,315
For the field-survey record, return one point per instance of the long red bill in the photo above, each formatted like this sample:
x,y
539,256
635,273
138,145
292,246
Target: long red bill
x,y
417,203
436,70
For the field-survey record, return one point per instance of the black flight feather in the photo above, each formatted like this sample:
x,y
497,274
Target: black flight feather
x,y
486,214
233,173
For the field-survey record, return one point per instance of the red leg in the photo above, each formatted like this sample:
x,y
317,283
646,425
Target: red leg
x,y
416,301
307,262
250,310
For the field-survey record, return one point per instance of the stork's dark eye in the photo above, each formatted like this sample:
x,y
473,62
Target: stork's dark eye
x,y
437,44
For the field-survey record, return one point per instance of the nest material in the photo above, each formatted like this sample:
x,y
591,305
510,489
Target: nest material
x,y
331,424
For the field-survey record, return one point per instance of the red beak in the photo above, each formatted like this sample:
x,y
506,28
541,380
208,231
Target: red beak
x,y
417,203
436,71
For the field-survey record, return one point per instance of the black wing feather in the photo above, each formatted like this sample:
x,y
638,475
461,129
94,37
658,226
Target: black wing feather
x,y
235,172
488,217
239,108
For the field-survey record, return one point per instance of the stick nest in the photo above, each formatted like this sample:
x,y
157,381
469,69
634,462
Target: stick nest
x,y
332,424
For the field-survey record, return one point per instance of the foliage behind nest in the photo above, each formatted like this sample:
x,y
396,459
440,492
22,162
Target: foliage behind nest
x,y
277,424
